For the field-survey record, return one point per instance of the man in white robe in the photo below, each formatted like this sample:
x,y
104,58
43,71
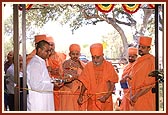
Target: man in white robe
x,y
40,97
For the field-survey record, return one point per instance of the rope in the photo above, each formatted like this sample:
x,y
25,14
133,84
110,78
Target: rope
x,y
88,95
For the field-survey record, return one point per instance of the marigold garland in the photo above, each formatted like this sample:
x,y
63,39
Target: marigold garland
x,y
131,8
105,8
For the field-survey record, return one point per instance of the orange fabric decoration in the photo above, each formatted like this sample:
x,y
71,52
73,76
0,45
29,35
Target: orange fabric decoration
x,y
132,50
74,47
96,49
40,38
145,41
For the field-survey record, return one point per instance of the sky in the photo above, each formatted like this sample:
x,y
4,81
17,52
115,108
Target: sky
x,y
86,35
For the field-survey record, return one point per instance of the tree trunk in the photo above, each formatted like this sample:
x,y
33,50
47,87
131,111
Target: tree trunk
x,y
123,38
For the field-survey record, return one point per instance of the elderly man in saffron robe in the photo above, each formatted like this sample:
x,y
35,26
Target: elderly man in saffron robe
x,y
132,56
142,97
72,68
98,78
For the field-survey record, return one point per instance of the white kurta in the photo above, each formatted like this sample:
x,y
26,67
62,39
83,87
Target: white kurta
x,y
40,97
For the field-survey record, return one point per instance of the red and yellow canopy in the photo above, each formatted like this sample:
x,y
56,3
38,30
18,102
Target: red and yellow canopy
x,y
131,8
105,8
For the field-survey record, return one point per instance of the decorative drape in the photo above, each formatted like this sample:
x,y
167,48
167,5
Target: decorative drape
x,y
105,8
131,8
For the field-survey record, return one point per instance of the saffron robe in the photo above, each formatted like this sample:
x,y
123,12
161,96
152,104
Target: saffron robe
x,y
125,103
141,80
70,91
95,80
55,62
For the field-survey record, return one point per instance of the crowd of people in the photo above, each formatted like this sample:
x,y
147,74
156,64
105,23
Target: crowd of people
x,y
56,83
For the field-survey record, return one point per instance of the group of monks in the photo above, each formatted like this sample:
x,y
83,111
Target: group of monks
x,y
139,95
89,87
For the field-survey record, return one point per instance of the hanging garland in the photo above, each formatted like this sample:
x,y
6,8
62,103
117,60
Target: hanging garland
x,y
131,8
28,6
105,8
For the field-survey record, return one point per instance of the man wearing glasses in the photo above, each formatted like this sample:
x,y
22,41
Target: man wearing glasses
x,y
142,98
